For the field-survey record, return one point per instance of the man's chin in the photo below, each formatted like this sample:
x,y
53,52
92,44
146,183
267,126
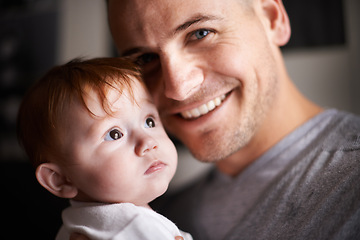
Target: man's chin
x,y
211,149
208,154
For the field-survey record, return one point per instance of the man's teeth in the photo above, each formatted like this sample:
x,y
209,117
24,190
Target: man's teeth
x,y
203,109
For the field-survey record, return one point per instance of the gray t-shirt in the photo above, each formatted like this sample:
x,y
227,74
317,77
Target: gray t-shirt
x,y
305,187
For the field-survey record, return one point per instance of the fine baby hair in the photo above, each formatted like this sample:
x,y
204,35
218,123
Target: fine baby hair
x,y
41,111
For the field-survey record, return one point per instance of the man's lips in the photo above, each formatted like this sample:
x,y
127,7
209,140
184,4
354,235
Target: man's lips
x,y
154,167
203,109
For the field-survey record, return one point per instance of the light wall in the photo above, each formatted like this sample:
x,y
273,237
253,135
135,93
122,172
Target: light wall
x,y
83,30
323,75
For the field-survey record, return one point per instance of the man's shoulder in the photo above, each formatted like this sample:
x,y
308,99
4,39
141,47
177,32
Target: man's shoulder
x,y
316,197
342,132
336,153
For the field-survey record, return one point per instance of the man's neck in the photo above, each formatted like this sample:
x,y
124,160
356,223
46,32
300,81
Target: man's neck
x,y
292,111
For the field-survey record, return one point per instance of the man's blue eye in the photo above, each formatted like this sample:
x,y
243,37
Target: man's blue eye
x,y
114,134
199,34
149,122
146,58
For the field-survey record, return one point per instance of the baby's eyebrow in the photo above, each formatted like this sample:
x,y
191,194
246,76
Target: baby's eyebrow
x,y
148,100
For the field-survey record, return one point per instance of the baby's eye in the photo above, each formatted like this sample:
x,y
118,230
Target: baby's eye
x,y
114,134
149,122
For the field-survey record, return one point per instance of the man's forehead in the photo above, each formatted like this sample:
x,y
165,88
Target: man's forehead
x,y
136,20
137,13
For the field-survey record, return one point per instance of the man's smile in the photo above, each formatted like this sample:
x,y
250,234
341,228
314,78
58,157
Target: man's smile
x,y
203,109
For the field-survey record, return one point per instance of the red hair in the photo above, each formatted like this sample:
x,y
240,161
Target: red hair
x,y
43,105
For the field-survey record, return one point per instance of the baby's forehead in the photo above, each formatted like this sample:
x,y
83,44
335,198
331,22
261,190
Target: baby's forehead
x,y
112,98
103,107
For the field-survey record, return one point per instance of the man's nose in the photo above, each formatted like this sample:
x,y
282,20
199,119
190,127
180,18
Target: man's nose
x,y
181,76
145,145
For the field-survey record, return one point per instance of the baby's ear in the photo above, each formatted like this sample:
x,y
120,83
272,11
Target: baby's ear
x,y
51,177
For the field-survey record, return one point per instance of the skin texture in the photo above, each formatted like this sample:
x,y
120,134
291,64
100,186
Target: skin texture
x,y
194,51
122,157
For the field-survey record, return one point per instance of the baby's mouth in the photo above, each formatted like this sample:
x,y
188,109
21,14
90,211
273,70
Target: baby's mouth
x,y
203,109
155,167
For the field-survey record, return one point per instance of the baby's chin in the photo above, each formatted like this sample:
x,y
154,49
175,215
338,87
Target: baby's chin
x,y
158,193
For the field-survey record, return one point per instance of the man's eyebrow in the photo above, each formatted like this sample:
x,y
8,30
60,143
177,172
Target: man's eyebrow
x,y
193,20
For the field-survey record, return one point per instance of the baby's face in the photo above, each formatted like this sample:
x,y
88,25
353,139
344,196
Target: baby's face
x,y
126,157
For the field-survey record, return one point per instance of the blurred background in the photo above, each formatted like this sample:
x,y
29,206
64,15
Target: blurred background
x,y
323,59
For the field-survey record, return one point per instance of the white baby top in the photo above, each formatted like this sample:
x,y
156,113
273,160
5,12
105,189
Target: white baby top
x,y
116,221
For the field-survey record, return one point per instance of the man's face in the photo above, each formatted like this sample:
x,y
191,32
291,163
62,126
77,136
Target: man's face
x,y
208,64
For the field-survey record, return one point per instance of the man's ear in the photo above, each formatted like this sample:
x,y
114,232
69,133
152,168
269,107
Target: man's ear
x,y
277,21
51,177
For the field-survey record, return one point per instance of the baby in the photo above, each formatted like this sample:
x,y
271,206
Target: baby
x,y
95,137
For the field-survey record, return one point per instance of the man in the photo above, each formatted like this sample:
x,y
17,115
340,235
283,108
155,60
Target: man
x,y
193,52
285,168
